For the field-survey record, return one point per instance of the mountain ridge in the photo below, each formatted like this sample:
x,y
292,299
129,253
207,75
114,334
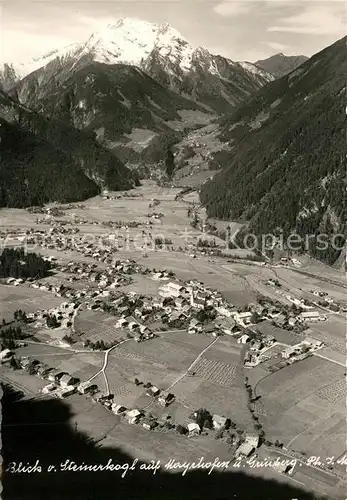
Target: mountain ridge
x,y
78,166
280,65
285,168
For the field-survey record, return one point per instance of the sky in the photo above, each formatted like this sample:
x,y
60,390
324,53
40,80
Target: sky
x,y
240,30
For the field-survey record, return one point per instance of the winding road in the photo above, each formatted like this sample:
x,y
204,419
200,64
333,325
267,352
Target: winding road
x,y
102,370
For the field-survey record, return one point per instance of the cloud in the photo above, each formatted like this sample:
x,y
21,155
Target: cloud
x,y
276,46
315,19
231,8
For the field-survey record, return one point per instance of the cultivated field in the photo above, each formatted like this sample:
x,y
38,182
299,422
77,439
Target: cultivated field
x,y
98,325
332,332
28,299
305,406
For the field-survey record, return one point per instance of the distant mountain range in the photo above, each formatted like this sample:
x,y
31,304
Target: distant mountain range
x,y
136,87
159,51
286,164
280,65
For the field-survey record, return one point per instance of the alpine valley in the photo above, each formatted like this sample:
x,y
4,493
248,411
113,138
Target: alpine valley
x,y
138,100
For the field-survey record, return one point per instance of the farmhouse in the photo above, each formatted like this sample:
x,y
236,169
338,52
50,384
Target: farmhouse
x,y
311,316
223,311
180,302
176,316
48,388
252,439
193,429
218,421
243,339
149,424
65,392
43,370
132,416
67,380
226,325
245,450
195,326
166,399
87,388
51,376
289,352
118,409
171,290
59,376
5,355
122,322
243,317
153,391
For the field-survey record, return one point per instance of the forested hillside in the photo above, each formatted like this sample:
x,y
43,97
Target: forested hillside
x,y
45,160
286,167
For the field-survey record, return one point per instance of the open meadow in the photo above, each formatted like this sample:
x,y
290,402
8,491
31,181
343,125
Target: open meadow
x,y
304,406
28,299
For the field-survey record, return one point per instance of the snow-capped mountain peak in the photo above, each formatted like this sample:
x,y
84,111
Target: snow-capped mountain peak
x,y
157,49
129,41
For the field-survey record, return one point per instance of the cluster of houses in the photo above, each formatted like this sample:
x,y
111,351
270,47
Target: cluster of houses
x,y
302,349
14,281
61,384
260,350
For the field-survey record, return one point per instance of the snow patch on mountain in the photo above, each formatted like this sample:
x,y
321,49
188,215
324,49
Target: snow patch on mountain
x,y
252,68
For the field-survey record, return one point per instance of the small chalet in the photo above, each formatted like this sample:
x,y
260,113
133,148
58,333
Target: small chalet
x,y
67,380
180,302
252,439
66,391
153,391
48,388
245,450
219,422
193,429
5,355
133,416
149,424
87,388
118,409
166,399
43,370
243,339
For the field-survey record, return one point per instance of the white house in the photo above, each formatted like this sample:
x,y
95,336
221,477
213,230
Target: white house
x,y
223,311
244,317
252,439
310,316
48,388
218,421
193,429
243,339
117,409
5,355
132,416
65,392
66,381
244,450
171,290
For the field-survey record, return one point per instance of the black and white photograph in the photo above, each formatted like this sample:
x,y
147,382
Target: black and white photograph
x,y
173,290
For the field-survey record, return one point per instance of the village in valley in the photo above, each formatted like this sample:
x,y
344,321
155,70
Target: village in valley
x,y
166,342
